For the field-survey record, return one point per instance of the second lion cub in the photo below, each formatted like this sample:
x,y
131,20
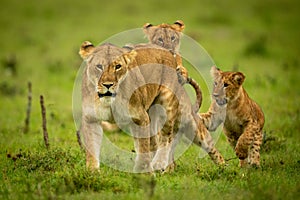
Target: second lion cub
x,y
243,118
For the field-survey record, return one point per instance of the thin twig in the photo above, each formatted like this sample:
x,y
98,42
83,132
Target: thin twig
x,y
231,159
45,132
79,140
28,111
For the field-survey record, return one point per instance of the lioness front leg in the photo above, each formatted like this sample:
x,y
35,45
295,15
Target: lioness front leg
x,y
92,133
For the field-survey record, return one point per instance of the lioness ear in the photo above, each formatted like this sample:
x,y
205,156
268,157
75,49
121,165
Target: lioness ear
x,y
179,25
239,78
215,72
86,49
129,56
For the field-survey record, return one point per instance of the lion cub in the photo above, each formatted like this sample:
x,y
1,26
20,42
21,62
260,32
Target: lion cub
x,y
243,118
168,36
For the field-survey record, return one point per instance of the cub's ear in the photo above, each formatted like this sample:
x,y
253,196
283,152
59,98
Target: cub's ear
x,y
86,49
129,56
215,72
238,78
147,29
179,25
147,25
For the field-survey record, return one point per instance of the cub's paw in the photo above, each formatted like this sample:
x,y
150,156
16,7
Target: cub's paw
x,y
255,164
241,152
243,163
182,75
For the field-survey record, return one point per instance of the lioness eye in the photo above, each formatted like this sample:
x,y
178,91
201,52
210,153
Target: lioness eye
x,y
160,40
99,66
118,66
173,38
226,84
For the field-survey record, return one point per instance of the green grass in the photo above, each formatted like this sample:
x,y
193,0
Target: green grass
x,y
39,43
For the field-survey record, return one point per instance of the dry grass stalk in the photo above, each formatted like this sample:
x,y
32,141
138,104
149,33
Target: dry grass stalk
x,y
28,110
44,124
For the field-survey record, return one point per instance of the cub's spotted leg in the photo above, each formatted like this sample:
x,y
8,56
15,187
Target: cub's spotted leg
x,y
244,142
232,140
205,141
208,145
254,155
214,117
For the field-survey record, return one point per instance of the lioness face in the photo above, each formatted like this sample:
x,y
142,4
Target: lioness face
x,y
113,75
226,85
106,65
165,35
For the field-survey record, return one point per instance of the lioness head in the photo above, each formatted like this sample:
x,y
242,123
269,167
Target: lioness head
x,y
106,66
165,35
226,85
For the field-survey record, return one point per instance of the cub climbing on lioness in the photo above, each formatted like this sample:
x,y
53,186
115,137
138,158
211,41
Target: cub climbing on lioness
x,y
168,36
242,117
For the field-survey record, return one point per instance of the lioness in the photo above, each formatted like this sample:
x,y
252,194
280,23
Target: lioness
x,y
122,86
243,118
168,36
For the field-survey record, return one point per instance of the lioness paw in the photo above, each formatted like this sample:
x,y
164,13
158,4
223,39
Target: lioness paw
x,y
160,166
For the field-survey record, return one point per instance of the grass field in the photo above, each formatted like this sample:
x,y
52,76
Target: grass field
x,y
39,43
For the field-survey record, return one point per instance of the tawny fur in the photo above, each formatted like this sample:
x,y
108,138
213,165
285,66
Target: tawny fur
x,y
110,71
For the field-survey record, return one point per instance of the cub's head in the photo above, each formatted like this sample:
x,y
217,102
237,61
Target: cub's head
x,y
106,67
165,35
227,85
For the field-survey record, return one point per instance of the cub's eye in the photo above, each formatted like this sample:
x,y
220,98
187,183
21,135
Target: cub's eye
x,y
226,84
215,83
160,40
99,66
173,38
118,66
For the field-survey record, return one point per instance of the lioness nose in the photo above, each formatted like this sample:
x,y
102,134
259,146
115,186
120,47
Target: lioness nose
x,y
107,85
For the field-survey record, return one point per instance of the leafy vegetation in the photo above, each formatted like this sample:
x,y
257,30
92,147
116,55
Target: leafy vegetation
x,y
39,43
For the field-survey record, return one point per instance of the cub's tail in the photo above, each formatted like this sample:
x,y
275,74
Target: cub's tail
x,y
198,91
